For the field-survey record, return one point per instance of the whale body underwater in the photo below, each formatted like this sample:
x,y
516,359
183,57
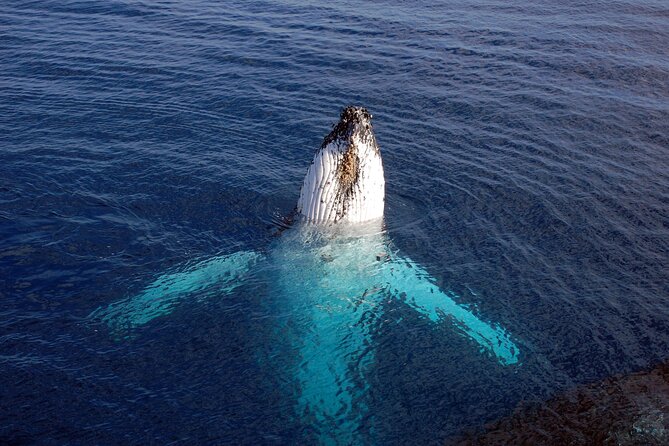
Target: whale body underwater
x,y
331,270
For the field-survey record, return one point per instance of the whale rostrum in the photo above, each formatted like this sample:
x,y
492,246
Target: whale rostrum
x,y
330,277
345,181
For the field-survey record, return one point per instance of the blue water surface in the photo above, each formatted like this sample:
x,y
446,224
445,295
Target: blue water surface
x,y
526,149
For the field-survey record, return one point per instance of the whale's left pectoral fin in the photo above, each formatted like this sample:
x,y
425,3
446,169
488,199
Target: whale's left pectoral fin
x,y
406,276
221,274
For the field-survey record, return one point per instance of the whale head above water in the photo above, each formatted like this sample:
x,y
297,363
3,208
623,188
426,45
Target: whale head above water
x,y
345,181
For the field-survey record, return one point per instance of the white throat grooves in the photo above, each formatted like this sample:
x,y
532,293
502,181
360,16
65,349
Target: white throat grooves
x,y
344,183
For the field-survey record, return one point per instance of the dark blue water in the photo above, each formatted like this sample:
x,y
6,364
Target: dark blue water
x,y
526,149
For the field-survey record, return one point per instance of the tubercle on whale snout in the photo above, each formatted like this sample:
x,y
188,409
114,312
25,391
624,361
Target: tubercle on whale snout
x,y
346,127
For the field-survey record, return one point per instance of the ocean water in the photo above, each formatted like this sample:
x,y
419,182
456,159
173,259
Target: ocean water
x,y
526,150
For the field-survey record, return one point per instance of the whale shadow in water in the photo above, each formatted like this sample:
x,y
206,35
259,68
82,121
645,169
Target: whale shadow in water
x,y
330,275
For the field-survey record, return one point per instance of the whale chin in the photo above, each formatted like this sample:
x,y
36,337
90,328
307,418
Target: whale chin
x,y
345,182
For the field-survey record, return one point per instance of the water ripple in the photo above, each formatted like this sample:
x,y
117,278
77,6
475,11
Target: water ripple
x,y
527,163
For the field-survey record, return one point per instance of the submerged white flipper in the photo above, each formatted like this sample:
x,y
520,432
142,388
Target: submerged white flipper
x,y
406,276
223,274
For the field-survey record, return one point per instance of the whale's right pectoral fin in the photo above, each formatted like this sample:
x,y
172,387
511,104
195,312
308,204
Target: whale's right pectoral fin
x,y
221,274
406,276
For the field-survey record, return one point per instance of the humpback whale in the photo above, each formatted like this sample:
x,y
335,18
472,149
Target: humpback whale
x,y
330,273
